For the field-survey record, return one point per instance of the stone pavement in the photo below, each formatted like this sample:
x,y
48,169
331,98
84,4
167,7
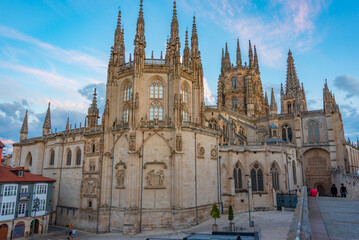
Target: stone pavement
x,y
334,218
272,225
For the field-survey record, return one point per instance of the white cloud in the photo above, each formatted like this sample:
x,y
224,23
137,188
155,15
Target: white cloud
x,y
283,24
67,56
209,98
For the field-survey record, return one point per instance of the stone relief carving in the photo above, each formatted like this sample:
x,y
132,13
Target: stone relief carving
x,y
200,150
132,142
179,142
92,165
90,143
120,178
155,179
214,153
89,187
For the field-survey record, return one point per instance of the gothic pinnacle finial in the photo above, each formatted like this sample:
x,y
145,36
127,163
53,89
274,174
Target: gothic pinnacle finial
x,y
250,55
273,103
47,121
239,57
119,20
67,124
255,58
24,128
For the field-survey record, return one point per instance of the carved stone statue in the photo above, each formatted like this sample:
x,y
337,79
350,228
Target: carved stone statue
x,y
92,166
90,187
179,142
120,178
132,142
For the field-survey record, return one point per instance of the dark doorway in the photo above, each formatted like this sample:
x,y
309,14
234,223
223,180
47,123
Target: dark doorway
x,y
37,223
3,231
19,230
321,189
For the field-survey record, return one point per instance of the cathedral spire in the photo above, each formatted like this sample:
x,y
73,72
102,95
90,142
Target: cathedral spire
x,y
273,104
174,25
119,45
292,82
93,112
250,55
24,128
140,29
239,57
186,50
227,59
67,124
266,98
46,128
256,66
194,39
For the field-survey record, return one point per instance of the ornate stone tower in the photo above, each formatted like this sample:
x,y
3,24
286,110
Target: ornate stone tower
x,y
240,87
293,99
93,112
329,103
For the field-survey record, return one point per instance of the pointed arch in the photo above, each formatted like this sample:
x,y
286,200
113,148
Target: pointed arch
x,y
238,176
294,169
257,177
52,157
156,133
78,156
68,157
275,172
28,160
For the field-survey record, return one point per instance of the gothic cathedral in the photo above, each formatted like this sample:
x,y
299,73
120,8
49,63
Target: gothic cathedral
x,y
160,157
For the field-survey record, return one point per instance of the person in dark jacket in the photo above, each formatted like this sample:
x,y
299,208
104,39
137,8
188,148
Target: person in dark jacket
x,y
334,191
343,191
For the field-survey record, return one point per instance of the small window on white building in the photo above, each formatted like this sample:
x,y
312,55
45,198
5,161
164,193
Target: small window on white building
x,y
21,210
24,189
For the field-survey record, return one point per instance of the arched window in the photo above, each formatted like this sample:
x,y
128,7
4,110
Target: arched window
x,y
127,93
184,94
234,83
156,110
234,103
275,176
125,114
237,176
286,133
184,115
294,172
257,178
93,148
52,158
68,160
156,90
313,132
78,157
212,124
30,160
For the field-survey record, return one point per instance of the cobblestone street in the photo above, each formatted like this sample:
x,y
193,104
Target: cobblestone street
x,y
272,225
334,218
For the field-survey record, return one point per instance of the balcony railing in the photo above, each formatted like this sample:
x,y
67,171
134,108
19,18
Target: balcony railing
x,y
24,196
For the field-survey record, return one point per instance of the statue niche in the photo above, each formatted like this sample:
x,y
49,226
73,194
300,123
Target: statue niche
x,y
120,178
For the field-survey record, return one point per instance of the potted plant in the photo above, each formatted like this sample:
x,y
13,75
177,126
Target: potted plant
x,y
215,214
230,218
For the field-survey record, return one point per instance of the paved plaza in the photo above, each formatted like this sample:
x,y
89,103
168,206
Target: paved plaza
x,y
334,218
272,225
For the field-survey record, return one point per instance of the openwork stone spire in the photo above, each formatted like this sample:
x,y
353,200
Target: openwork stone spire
x,y
174,25
239,57
186,52
119,43
292,82
93,112
46,128
250,55
273,104
24,128
140,30
256,66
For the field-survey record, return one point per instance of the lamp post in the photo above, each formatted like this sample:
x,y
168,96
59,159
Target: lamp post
x,y
35,208
249,204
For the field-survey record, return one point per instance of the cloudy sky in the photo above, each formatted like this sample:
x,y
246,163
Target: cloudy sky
x,y
57,51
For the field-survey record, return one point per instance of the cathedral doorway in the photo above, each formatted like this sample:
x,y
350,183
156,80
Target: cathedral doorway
x,y
317,170
321,189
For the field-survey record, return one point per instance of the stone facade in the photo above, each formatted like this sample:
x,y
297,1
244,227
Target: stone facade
x,y
160,158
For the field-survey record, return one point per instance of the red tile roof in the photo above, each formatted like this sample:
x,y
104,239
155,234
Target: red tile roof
x,y
9,175
1,145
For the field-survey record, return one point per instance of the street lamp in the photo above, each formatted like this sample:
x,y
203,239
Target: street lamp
x,y
249,204
35,208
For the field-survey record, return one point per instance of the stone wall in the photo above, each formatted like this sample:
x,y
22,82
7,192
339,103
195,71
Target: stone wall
x,y
350,181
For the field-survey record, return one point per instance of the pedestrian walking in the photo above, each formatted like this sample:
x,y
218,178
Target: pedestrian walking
x,y
73,233
67,228
334,190
314,192
343,191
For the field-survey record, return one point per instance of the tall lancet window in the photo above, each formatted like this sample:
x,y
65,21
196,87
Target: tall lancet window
x,y
237,176
234,83
313,132
125,115
257,178
184,94
184,115
275,176
234,103
156,90
127,93
156,110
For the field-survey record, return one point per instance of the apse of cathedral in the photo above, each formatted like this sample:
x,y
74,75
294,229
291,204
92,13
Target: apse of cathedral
x,y
159,157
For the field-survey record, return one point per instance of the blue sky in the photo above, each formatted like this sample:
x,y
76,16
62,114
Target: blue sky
x,y
58,51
